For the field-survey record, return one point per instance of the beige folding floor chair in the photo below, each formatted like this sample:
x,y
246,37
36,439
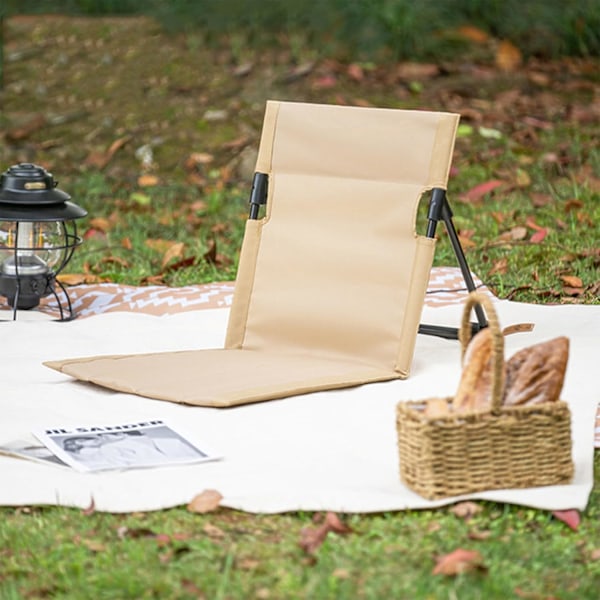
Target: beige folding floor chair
x,y
332,279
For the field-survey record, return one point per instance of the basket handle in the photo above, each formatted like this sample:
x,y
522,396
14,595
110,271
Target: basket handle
x,y
464,336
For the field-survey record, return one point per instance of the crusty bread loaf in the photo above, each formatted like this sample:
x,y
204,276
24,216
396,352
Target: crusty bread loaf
x,y
536,374
474,389
436,408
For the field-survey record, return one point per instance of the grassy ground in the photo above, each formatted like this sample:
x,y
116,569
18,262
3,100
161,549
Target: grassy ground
x,y
155,135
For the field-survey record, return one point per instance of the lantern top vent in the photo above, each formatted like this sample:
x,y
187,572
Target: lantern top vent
x,y
29,193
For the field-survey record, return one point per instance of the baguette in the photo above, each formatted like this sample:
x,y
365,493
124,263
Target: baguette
x,y
536,374
474,388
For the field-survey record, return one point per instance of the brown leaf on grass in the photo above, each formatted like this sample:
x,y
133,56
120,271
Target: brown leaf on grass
x,y
539,200
159,244
134,533
174,251
237,143
94,545
508,56
479,535
355,71
213,257
26,129
298,72
459,561
411,71
213,531
539,236
465,510
91,509
571,281
518,233
101,159
571,517
500,267
595,554
573,204
466,242
205,502
210,256
473,34
94,234
311,538
475,194
197,158
147,180
79,278
100,224
180,264
521,593
114,260
153,280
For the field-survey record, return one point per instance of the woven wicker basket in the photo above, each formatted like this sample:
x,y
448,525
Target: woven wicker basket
x,y
506,447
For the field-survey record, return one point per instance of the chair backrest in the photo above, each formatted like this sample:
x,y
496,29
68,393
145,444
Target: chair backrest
x,y
335,267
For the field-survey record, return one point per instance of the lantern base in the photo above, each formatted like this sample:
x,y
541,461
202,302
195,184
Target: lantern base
x,y
24,292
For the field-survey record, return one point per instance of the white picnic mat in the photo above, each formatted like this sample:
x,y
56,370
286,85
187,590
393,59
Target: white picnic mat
x,y
331,450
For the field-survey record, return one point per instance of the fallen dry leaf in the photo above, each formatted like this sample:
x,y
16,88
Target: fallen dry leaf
x,y
571,281
198,158
100,224
147,180
311,538
94,545
159,244
508,56
174,251
78,278
459,561
479,535
518,233
91,509
475,194
101,159
500,267
539,236
356,72
135,533
180,264
473,34
465,510
213,531
206,501
23,131
571,517
414,70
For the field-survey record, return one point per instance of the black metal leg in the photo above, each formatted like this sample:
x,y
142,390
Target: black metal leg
x,y
439,210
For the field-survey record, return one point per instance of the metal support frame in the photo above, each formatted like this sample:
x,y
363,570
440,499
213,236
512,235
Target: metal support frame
x,y
439,210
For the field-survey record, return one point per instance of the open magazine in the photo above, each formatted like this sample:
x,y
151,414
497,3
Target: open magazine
x,y
89,448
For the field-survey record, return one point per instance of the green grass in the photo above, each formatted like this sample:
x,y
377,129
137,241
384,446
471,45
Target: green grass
x,y
63,553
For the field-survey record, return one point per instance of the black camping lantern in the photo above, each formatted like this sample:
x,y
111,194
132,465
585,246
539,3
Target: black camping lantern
x,y
37,237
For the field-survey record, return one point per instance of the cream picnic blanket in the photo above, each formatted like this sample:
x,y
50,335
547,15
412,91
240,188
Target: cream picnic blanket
x,y
332,450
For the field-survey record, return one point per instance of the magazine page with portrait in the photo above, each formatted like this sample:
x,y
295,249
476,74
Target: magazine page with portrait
x,y
123,446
